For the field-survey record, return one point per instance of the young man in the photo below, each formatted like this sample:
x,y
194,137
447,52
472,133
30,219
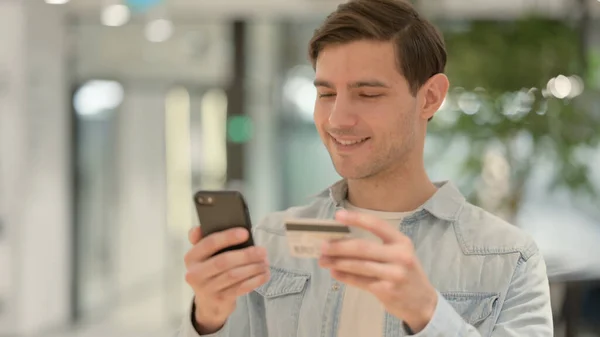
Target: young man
x,y
423,261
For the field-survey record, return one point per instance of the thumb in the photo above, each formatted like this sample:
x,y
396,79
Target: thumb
x,y
194,235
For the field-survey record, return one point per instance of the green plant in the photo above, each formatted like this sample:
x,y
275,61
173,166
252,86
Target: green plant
x,y
499,73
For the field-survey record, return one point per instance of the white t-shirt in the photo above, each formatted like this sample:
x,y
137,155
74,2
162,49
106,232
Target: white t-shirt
x,y
362,314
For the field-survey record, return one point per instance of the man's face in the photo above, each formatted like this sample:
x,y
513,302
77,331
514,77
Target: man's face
x,y
365,113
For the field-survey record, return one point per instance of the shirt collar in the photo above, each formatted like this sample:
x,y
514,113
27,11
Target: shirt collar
x,y
445,203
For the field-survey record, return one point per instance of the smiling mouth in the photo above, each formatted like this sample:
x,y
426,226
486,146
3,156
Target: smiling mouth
x,y
350,142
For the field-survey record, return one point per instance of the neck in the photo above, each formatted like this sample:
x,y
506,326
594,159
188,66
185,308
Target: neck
x,y
402,189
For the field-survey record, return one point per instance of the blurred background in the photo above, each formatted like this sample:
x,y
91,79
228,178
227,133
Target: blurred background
x,y
113,112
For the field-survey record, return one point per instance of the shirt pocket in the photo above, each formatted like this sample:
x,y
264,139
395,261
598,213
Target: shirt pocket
x,y
283,295
477,309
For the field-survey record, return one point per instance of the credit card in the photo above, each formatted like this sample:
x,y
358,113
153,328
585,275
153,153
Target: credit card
x,y
306,236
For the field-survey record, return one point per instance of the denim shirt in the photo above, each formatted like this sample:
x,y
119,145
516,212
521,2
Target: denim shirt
x,y
490,277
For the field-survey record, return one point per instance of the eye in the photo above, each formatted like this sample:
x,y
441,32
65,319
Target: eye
x,y
370,96
326,95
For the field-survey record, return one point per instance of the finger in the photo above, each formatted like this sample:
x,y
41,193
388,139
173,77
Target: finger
x,y
194,235
233,259
357,249
371,223
236,275
213,243
370,269
382,290
353,280
246,286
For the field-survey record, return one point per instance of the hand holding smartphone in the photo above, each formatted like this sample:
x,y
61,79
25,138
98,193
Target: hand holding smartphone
x,y
222,265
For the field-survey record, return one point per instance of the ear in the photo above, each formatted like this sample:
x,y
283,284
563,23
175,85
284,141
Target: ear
x,y
433,93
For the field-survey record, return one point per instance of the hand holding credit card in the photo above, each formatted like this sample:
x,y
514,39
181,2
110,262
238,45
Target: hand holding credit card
x,y
306,236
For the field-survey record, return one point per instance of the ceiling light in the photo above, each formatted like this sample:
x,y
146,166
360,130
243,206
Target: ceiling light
x,y
97,96
159,30
115,15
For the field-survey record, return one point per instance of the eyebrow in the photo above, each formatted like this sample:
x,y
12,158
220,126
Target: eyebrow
x,y
355,85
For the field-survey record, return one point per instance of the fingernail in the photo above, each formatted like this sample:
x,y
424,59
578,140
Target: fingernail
x,y
343,214
324,247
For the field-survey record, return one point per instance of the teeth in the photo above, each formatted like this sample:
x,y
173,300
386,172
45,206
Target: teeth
x,y
351,142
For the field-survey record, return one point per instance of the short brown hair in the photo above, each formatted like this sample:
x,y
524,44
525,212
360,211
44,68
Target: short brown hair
x,y
420,48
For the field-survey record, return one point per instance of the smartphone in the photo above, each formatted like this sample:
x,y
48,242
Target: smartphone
x,y
221,210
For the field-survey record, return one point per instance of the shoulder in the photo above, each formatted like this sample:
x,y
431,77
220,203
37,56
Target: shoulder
x,y
479,232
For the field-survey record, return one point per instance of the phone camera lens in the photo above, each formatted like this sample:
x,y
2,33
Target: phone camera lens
x,y
205,200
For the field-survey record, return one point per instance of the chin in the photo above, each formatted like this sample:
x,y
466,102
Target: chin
x,y
351,171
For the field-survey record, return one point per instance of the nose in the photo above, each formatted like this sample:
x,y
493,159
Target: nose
x,y
342,115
